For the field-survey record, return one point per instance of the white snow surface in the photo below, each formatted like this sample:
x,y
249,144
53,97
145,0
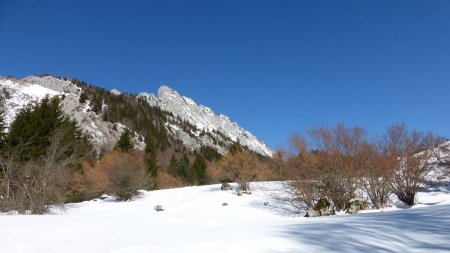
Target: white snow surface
x,y
21,95
116,92
194,220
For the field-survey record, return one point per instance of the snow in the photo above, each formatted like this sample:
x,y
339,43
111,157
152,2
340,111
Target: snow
x,y
116,92
194,220
38,91
21,95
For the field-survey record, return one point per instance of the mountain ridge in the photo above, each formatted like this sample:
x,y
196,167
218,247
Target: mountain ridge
x,y
192,124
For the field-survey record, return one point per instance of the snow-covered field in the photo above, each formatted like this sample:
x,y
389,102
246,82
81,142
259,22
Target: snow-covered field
x,y
195,220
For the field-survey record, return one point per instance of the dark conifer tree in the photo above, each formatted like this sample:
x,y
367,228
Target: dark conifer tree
x,y
124,144
198,170
235,148
183,167
210,153
30,133
150,157
173,165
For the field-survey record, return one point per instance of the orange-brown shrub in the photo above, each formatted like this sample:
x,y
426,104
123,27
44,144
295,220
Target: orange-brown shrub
x,y
242,168
112,172
165,180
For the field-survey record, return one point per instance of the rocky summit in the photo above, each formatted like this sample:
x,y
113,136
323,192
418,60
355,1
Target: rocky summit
x,y
208,125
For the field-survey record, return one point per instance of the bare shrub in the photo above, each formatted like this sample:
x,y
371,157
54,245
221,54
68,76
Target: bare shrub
x,y
240,167
376,176
409,153
164,180
340,164
127,175
30,186
329,168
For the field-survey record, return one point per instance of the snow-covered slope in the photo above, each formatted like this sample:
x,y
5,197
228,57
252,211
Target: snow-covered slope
x,y
19,93
205,127
195,220
210,128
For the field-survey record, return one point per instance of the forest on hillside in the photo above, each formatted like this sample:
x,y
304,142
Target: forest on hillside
x,y
46,160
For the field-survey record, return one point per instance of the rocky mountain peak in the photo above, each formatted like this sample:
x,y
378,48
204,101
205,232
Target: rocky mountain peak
x,y
209,128
166,92
196,126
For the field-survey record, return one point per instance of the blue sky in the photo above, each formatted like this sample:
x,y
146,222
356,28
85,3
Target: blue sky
x,y
275,67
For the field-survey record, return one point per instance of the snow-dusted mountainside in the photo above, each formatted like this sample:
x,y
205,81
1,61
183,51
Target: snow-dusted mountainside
x,y
209,126
19,93
194,125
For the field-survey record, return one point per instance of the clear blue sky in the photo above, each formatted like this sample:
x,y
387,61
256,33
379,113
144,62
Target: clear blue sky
x,y
275,67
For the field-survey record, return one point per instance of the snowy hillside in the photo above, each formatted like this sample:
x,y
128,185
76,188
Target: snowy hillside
x,y
19,93
204,120
210,129
195,220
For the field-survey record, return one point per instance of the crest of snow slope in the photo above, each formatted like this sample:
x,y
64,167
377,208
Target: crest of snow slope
x,y
205,120
19,93
439,156
195,221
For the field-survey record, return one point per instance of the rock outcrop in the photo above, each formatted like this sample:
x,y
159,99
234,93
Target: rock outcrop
x,y
196,126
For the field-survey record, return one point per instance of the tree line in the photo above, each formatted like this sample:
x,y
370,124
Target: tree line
x,y
45,159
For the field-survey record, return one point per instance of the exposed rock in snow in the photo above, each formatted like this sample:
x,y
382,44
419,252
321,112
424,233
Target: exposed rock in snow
x,y
115,92
211,129
322,208
226,187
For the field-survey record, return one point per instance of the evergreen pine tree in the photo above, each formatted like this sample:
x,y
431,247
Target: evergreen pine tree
x,y
210,153
183,167
124,143
30,133
150,157
198,171
235,148
173,165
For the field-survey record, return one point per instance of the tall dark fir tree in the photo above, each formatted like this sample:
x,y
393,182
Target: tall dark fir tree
x,y
150,157
124,144
31,132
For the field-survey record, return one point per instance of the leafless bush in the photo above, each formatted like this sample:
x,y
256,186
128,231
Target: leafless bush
x,y
410,152
30,186
331,165
376,177
240,167
164,180
126,176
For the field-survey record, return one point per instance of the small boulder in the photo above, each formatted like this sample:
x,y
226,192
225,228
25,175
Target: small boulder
x,y
323,207
226,187
225,204
357,205
158,208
